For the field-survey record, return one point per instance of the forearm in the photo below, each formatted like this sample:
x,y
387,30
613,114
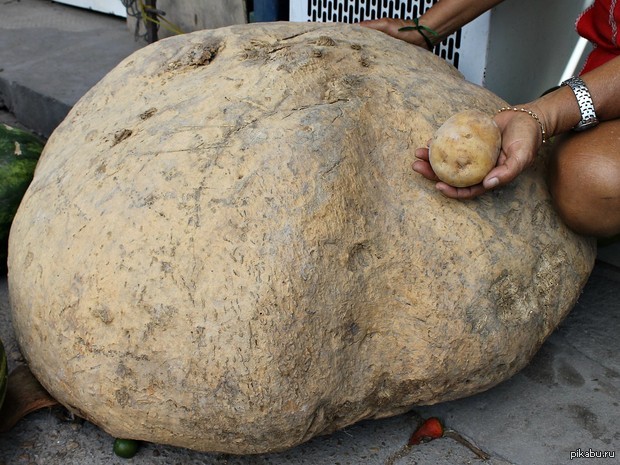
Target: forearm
x,y
446,16
560,111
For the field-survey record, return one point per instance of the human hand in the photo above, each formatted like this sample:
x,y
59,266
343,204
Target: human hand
x,y
393,26
521,139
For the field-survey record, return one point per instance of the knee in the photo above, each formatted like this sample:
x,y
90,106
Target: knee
x,y
586,191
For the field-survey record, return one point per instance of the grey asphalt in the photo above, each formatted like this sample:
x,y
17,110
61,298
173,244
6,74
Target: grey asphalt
x,y
566,401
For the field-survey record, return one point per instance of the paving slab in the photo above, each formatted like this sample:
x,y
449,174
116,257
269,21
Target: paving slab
x,y
566,399
52,54
610,253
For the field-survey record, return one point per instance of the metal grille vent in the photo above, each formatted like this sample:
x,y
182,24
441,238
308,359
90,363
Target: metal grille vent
x,y
352,11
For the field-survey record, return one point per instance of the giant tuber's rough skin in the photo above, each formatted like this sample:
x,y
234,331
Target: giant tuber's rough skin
x,y
224,247
465,148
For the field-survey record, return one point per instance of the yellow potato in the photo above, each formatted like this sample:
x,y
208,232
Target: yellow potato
x,y
465,148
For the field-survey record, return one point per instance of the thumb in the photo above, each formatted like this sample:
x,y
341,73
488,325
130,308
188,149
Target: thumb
x,y
506,171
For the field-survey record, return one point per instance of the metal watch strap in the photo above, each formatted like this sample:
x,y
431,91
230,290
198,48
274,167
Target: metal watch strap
x,y
584,100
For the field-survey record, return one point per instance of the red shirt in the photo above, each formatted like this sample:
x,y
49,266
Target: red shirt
x,y
599,24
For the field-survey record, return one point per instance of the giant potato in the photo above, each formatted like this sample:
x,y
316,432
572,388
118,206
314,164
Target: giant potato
x,y
224,246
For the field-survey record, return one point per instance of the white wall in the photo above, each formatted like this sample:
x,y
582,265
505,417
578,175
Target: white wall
x,y
530,44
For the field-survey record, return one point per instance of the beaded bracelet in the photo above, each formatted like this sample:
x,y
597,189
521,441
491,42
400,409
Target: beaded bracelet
x,y
533,115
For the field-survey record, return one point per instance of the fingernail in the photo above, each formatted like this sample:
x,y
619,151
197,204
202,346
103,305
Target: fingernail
x,y
491,183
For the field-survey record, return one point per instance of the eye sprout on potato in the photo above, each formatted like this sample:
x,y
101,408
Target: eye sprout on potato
x,y
465,148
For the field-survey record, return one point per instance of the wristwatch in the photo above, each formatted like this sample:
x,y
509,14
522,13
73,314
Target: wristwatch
x,y
584,100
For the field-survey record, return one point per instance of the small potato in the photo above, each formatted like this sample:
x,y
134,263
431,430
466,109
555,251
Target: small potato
x,y
465,148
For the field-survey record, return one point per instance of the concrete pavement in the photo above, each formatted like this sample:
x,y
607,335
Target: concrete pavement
x,y
51,54
565,402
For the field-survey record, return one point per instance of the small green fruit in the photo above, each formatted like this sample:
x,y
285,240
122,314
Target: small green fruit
x,y
125,448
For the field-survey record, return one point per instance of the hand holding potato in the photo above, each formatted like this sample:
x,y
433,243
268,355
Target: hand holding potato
x,y
520,140
465,148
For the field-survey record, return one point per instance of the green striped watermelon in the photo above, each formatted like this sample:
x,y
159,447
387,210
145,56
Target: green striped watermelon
x,y
3,373
19,153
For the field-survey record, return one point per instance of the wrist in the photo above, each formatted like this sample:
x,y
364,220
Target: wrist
x,y
428,36
585,103
533,117
415,38
559,110
545,122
